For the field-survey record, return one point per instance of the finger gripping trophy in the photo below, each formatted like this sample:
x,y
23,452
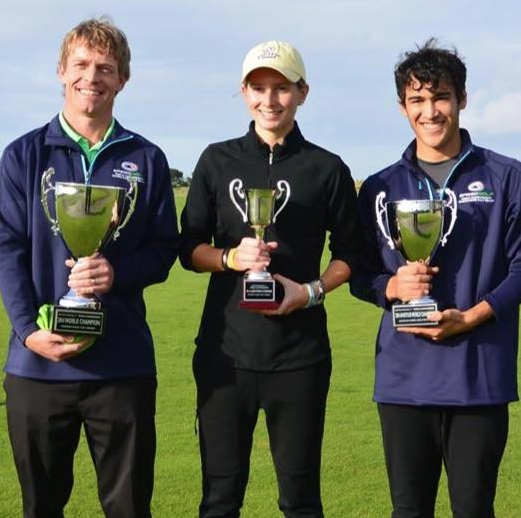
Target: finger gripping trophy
x,y
87,217
259,212
414,228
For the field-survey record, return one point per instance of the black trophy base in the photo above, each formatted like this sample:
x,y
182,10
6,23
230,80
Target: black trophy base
x,y
414,315
258,294
78,321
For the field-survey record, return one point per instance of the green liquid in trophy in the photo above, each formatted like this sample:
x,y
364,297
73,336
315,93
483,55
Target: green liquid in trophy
x,y
419,234
85,220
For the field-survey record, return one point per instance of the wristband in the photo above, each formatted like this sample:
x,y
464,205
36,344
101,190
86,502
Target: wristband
x,y
311,294
316,292
231,259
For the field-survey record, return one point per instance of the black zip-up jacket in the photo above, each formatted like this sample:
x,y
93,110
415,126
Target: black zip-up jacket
x,y
323,198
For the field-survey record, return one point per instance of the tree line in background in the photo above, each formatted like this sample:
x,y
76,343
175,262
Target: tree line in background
x,y
178,179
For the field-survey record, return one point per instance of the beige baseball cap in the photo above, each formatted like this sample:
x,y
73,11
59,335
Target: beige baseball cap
x,y
279,56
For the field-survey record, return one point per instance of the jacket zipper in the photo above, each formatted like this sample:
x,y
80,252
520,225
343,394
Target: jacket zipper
x,y
442,191
87,173
270,163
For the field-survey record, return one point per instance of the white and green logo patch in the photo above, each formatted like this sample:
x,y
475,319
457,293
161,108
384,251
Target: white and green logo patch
x,y
128,171
477,193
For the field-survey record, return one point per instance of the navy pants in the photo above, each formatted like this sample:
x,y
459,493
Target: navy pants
x,y
228,401
468,441
45,419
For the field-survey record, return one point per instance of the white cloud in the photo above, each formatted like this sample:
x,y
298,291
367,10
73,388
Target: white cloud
x,y
186,59
493,116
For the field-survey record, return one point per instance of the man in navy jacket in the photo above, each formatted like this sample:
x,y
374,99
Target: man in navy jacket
x,y
443,391
53,390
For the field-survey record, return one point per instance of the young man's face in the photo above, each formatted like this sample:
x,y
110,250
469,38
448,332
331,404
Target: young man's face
x,y
272,101
434,118
91,81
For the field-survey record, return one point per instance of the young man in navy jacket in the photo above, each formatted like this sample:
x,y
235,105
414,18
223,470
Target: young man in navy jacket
x,y
443,391
53,390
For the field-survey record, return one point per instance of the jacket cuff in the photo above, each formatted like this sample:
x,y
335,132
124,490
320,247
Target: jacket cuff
x,y
495,305
24,333
380,287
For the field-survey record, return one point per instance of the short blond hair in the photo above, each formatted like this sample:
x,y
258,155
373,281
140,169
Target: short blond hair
x,y
99,34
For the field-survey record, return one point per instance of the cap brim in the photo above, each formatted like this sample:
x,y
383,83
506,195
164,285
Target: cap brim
x,y
290,75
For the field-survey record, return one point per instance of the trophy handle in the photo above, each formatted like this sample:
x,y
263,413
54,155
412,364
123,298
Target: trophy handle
x,y
452,205
380,210
131,196
47,187
236,186
282,187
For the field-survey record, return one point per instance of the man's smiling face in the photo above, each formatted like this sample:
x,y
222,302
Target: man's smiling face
x,y
91,81
434,117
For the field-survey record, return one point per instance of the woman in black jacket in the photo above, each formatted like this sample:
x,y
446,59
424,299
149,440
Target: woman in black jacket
x,y
277,359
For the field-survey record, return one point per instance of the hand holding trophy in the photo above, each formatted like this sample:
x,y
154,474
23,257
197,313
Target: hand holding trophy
x,y
87,218
259,212
415,229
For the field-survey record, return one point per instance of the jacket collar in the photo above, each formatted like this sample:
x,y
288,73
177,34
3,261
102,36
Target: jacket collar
x,y
292,143
409,155
55,136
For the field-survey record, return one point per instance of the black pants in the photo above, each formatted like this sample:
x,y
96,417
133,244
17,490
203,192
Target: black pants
x,y
45,420
228,401
469,441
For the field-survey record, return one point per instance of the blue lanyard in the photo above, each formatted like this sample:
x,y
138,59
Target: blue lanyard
x,y
441,194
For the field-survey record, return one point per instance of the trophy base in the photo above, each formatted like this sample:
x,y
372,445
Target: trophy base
x,y
78,321
414,314
258,292
78,315
258,305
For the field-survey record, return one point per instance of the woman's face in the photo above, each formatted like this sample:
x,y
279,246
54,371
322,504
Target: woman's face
x,y
273,102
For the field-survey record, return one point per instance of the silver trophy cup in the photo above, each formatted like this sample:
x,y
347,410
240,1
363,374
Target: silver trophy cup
x,y
414,228
259,212
87,217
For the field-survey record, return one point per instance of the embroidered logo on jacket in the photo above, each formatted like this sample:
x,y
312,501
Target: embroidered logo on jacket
x,y
127,171
477,194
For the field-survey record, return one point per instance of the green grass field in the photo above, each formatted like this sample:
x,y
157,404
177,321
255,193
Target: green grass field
x,y
354,481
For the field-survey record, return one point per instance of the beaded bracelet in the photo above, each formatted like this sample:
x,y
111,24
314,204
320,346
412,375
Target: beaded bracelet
x,y
224,260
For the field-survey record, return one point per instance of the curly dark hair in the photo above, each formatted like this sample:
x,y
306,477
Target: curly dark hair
x,y
430,64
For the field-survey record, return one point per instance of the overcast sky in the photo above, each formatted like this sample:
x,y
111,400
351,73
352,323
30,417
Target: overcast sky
x,y
187,56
